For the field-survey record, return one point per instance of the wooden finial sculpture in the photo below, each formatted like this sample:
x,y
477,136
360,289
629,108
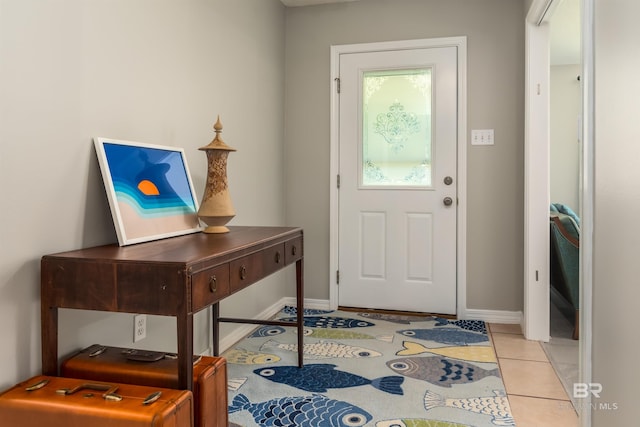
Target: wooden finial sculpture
x,y
216,209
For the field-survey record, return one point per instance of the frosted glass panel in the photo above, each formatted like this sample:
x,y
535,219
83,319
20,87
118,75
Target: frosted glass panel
x,y
396,128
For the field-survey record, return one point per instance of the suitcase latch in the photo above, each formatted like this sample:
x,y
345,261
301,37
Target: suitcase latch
x,y
152,398
37,386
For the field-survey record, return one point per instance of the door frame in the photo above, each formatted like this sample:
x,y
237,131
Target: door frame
x,y
461,262
535,323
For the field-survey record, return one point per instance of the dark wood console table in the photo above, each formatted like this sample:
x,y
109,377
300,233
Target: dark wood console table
x,y
176,277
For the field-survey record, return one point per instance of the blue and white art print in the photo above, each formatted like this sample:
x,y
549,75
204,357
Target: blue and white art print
x,y
149,190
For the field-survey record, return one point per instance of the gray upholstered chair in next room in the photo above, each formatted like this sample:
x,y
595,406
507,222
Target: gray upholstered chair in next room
x,y
565,257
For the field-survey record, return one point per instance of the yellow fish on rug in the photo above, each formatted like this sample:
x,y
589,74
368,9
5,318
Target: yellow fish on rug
x,y
241,356
470,353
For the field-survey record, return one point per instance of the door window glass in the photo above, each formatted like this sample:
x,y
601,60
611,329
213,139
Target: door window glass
x,y
396,128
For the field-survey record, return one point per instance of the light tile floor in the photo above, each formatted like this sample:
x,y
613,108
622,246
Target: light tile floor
x,y
536,395
562,350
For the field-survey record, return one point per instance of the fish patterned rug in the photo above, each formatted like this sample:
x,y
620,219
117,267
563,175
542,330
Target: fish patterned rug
x,y
367,369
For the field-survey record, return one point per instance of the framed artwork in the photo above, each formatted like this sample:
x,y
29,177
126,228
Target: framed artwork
x,y
149,190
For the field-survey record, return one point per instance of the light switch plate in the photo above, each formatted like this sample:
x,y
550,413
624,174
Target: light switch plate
x,y
482,137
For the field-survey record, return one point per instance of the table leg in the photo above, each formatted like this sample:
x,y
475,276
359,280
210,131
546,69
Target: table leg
x,y
215,328
49,337
185,351
300,309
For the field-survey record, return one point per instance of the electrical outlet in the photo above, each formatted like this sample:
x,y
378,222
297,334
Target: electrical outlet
x,y
139,327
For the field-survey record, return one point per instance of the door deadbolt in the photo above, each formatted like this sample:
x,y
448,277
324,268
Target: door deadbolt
x,y
448,180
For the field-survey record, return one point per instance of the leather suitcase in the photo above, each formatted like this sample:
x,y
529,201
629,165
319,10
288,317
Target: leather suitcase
x,y
157,369
69,402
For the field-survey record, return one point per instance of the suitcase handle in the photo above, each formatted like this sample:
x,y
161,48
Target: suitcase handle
x,y
108,389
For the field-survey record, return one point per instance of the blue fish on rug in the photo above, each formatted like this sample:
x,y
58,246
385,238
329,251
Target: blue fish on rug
x,y
267,331
292,311
418,422
469,325
451,336
319,378
330,322
495,406
403,319
440,371
324,349
302,411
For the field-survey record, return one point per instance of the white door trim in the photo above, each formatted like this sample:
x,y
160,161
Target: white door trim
x,y
461,44
536,181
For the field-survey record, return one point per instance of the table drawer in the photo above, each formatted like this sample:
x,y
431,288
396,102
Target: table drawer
x,y
151,289
209,286
251,268
292,250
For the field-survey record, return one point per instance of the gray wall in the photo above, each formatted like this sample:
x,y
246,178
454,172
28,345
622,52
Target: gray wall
x,y
156,71
495,37
617,208
527,5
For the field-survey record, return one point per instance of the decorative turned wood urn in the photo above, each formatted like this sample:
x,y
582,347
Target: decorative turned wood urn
x,y
216,208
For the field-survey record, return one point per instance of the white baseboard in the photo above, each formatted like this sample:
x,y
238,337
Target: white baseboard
x,y
316,304
493,316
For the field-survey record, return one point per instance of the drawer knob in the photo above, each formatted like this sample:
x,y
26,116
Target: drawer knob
x,y
213,283
294,250
278,257
243,272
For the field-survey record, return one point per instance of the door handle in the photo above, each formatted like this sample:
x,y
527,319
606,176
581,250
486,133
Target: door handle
x,y
448,201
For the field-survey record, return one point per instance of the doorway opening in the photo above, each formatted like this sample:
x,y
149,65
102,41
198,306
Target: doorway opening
x,y
537,184
564,189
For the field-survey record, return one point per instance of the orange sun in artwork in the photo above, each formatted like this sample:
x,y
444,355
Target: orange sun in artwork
x,y
148,188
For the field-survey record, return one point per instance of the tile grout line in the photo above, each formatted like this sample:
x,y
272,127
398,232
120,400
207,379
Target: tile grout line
x,y
565,403
523,359
539,397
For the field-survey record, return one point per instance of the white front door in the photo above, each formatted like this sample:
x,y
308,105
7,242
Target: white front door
x,y
398,180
